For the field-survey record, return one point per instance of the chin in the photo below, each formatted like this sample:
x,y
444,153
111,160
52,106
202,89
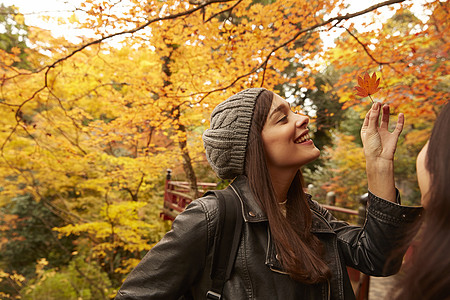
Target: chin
x,y
317,154
311,159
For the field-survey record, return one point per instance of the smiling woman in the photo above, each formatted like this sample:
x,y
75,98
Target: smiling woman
x,y
286,142
291,247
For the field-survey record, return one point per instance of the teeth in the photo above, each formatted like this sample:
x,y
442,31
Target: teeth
x,y
302,139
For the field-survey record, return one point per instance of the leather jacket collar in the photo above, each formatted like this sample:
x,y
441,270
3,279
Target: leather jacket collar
x,y
252,212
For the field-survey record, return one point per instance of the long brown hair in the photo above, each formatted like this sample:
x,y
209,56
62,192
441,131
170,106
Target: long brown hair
x,y
428,273
298,250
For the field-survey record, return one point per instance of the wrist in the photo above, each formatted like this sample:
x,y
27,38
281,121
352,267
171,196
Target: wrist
x,y
380,179
380,165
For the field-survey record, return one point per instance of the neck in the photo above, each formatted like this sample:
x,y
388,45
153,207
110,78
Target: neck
x,y
281,184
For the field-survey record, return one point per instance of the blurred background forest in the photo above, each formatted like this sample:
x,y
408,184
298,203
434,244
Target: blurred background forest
x,y
89,125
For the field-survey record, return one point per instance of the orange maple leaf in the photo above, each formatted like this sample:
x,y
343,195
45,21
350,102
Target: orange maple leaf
x,y
368,85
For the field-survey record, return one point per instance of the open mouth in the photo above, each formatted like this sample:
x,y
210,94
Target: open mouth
x,y
302,138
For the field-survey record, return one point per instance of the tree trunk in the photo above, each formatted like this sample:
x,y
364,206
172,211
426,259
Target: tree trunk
x,y
187,163
182,133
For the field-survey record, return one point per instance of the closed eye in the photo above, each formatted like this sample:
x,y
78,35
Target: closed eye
x,y
283,119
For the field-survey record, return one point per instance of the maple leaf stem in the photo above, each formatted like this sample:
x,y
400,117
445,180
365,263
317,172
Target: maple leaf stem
x,y
371,98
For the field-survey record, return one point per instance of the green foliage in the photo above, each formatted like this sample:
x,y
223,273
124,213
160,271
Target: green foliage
x,y
80,280
55,286
26,225
352,124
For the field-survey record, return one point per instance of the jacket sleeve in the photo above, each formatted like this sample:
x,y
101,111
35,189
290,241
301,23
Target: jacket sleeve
x,y
174,264
377,248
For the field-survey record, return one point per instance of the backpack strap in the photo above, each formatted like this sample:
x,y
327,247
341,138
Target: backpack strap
x,y
226,240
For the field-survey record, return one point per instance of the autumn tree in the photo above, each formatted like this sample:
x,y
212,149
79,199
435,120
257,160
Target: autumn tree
x,y
89,129
411,57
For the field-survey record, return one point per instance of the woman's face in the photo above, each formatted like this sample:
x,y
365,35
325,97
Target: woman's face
x,y
286,141
423,176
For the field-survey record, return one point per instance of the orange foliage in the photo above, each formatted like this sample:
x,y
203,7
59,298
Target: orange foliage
x,y
409,54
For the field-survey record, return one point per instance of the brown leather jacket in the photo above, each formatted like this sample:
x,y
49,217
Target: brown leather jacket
x,y
180,263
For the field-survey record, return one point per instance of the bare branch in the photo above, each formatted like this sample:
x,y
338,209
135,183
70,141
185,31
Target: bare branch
x,y
365,48
326,22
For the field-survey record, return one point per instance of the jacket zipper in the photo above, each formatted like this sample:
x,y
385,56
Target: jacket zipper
x,y
284,273
267,254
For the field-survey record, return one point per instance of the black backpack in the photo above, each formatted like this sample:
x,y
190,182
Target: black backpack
x,y
226,240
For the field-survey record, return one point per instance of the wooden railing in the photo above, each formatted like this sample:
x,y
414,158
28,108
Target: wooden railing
x,y
177,195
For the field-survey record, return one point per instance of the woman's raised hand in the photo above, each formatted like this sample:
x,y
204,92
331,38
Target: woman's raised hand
x,y
379,148
378,142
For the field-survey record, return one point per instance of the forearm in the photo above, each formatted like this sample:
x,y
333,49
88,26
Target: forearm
x,y
383,238
380,178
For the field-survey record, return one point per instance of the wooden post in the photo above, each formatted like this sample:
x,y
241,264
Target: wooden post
x,y
166,187
166,196
331,198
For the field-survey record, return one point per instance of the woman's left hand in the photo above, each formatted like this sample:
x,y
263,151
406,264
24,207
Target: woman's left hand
x,y
378,142
379,148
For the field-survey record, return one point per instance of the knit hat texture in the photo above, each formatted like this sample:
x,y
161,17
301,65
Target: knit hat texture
x,y
226,140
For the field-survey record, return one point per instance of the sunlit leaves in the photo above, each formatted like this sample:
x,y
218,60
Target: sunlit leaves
x,y
409,53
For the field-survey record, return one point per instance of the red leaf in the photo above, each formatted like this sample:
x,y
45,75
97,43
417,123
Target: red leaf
x,y
367,85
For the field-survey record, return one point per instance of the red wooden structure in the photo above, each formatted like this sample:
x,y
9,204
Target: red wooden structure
x,y
177,196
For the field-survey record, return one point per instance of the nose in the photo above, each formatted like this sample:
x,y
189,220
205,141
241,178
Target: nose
x,y
302,120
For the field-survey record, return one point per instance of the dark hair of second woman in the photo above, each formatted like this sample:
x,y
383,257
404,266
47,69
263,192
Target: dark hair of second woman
x,y
298,250
427,275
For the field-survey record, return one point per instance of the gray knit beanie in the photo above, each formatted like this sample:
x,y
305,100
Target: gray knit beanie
x,y
226,140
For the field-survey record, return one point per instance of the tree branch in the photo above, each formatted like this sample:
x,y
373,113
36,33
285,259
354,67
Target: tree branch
x,y
389,64
264,64
229,9
131,31
326,22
